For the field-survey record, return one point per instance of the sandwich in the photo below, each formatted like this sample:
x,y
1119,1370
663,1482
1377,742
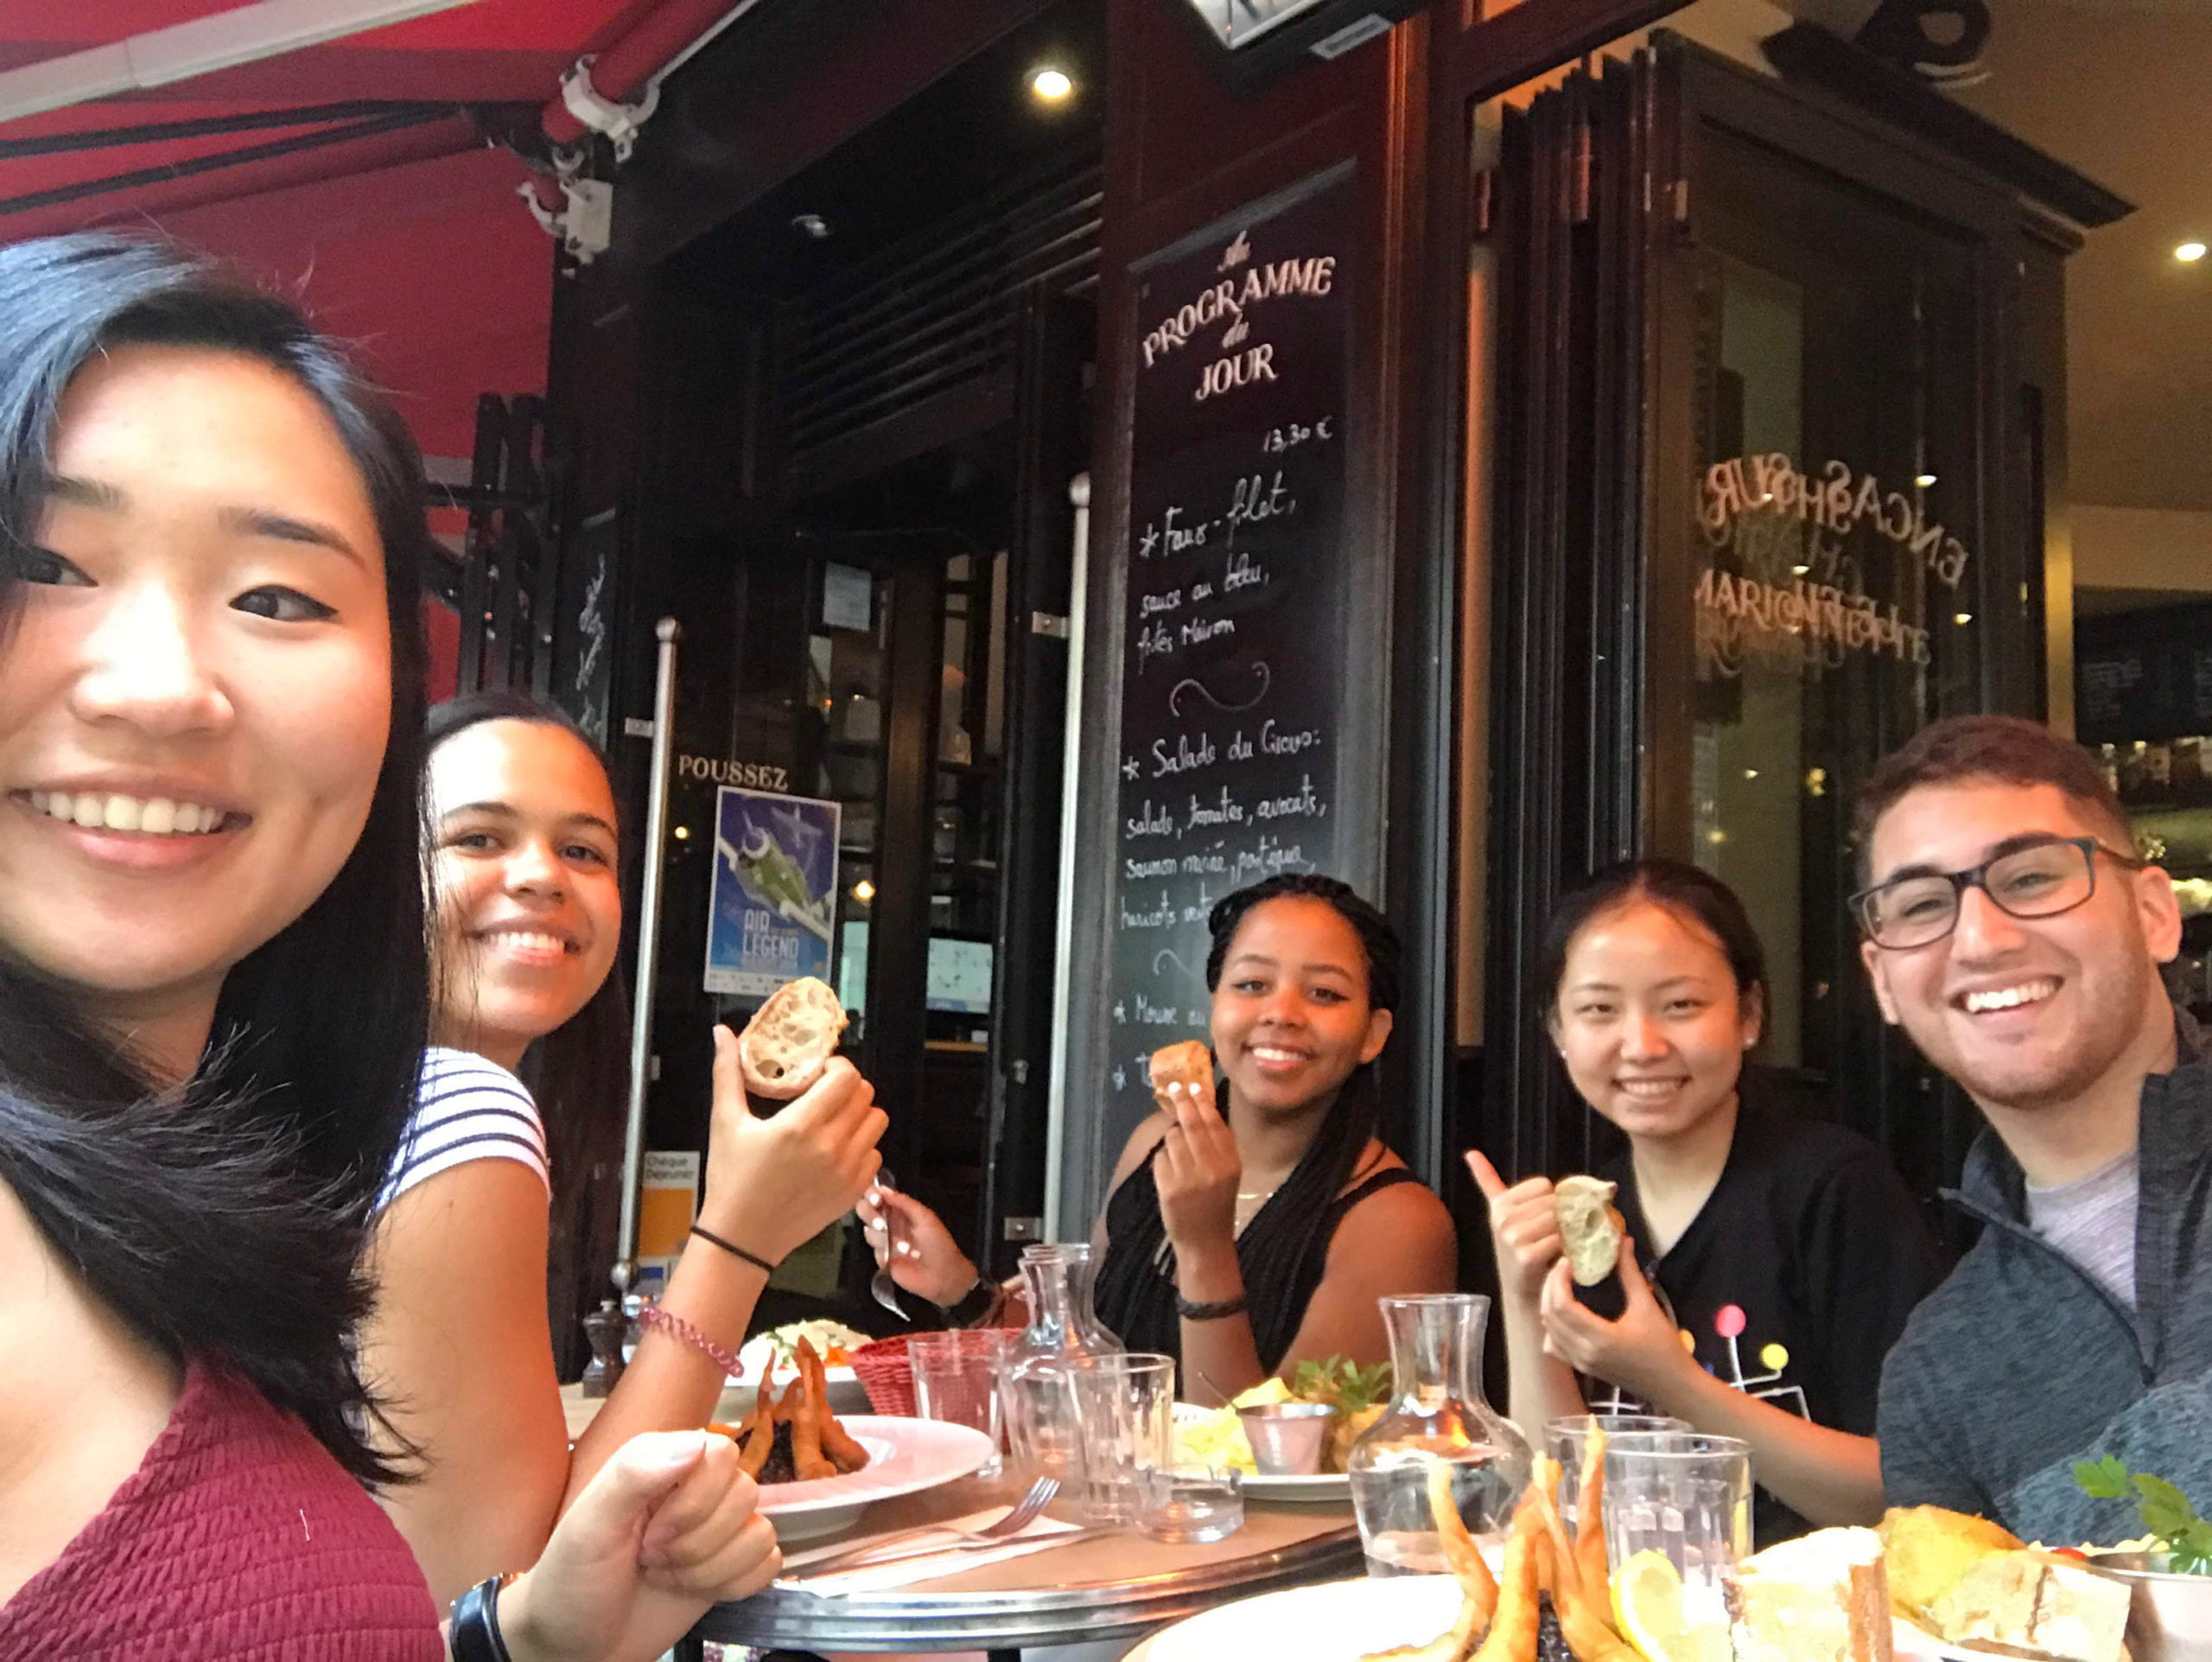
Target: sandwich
x,y
1189,1064
1824,1597
1974,1585
1590,1225
790,1039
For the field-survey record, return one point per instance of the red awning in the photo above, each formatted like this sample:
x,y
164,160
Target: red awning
x,y
379,202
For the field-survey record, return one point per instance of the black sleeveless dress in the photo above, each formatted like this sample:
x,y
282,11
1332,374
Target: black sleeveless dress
x,y
1282,1257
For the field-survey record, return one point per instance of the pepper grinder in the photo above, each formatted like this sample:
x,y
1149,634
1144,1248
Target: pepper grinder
x,y
606,1327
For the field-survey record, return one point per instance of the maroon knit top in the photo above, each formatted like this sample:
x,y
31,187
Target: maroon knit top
x,y
237,1537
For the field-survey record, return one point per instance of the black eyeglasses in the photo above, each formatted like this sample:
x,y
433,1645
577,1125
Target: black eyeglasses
x,y
2036,879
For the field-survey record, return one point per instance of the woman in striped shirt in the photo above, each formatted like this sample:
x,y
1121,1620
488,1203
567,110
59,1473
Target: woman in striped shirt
x,y
528,917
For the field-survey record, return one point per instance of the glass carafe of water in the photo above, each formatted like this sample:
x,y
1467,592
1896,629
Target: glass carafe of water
x,y
1064,1335
1437,1412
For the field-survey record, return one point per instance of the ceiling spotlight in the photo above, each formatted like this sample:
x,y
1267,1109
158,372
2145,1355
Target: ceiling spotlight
x,y
863,891
682,832
1923,481
1962,618
811,225
2190,253
1051,85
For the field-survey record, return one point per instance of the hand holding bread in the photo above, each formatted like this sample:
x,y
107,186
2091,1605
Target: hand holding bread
x,y
775,1182
1199,1166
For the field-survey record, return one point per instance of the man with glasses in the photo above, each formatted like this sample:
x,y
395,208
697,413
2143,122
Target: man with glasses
x,y
2011,931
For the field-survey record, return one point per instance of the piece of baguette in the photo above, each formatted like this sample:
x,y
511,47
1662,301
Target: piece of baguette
x,y
2031,1604
1591,1226
790,1039
1189,1064
1823,1597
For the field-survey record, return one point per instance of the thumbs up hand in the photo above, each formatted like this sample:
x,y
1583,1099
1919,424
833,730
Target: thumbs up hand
x,y
1524,1227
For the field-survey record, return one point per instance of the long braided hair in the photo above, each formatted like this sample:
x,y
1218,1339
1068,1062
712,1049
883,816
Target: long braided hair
x,y
1280,1250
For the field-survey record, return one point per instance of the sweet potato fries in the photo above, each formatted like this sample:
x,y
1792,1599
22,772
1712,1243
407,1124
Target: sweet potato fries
x,y
794,1438
1500,1618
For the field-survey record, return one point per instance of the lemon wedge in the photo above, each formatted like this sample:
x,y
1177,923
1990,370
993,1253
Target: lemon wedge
x,y
1648,1609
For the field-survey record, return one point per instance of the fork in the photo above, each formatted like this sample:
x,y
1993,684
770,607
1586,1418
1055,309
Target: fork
x,y
1018,1517
881,1286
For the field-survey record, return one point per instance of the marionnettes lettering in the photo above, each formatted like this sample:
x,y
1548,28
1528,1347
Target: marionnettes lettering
x,y
1802,625
1840,501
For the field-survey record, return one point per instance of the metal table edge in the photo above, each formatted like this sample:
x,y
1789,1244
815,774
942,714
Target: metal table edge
x,y
1001,1620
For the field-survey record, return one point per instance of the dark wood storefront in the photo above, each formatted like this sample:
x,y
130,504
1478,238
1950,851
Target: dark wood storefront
x,y
1545,339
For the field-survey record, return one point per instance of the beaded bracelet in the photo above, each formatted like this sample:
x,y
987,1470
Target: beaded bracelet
x,y
677,1329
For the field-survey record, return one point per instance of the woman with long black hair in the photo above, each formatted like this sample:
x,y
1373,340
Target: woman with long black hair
x,y
214,1001
1244,1241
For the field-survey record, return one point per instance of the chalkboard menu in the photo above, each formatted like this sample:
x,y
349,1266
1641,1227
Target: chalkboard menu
x,y
1233,643
2144,675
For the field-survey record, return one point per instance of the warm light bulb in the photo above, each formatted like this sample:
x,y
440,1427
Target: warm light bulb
x,y
1051,85
681,832
863,891
2190,253
1924,481
1962,618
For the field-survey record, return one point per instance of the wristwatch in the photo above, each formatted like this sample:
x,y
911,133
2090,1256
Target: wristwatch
x,y
974,1304
474,1635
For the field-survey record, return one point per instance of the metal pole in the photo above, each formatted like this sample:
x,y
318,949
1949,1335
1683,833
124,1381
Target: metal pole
x,y
641,1023
1056,1113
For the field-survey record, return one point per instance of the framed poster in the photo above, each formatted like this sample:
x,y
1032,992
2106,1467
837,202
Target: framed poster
x,y
772,906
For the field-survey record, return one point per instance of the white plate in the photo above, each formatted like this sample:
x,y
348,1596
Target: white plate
x,y
1909,1639
1341,1621
1320,1487
1335,1622
903,1457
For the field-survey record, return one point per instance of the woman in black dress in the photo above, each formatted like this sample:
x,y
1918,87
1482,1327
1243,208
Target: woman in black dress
x,y
1244,1239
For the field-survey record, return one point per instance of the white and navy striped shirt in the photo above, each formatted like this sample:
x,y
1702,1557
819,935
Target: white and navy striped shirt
x,y
466,1108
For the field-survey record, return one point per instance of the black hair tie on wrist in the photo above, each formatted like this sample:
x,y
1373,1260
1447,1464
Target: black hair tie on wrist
x,y
1218,1310
735,1251
972,1306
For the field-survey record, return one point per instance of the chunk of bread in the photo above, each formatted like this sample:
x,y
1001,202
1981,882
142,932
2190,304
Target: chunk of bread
x,y
1823,1597
1591,1226
1189,1064
1931,1549
790,1039
2034,1604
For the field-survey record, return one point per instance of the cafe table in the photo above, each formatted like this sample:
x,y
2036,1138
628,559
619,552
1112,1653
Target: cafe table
x,y
1120,1586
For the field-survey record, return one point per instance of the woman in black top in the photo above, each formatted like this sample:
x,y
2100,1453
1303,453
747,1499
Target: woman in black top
x,y
1243,1243
1771,1259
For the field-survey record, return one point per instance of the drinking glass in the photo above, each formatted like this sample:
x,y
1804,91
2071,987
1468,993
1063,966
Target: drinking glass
x,y
1688,1495
1124,1409
957,1380
1568,1435
1193,1503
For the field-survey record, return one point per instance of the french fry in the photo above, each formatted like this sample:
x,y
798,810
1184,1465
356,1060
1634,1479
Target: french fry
x,y
837,1444
1581,1605
1460,1551
759,1436
1590,1512
1512,1636
1566,1568
807,1458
